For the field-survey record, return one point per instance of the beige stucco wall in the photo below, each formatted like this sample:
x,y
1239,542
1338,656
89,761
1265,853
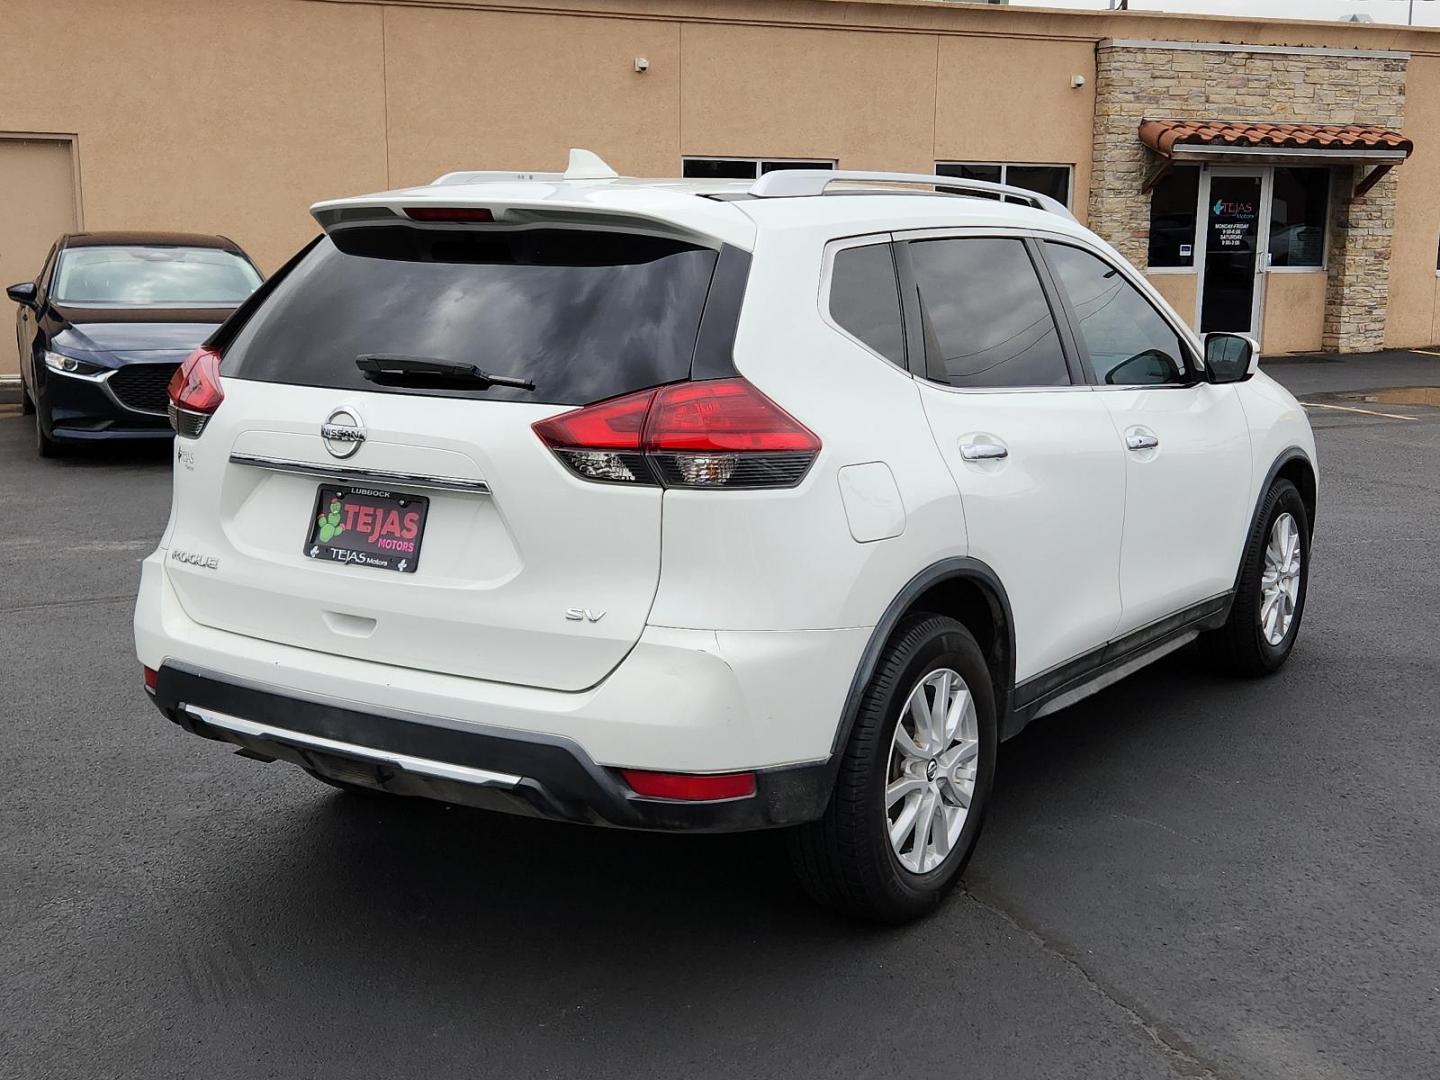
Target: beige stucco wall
x,y
212,117
1414,306
1294,312
1180,290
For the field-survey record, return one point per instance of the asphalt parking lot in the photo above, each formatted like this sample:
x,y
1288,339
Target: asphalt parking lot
x,y
1183,876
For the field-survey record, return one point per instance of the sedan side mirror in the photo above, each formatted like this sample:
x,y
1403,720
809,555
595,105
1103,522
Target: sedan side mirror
x,y
1231,357
24,293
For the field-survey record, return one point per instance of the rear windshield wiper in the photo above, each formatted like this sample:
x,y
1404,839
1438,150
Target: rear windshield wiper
x,y
429,371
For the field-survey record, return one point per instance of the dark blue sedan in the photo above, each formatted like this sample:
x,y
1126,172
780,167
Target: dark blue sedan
x,y
107,320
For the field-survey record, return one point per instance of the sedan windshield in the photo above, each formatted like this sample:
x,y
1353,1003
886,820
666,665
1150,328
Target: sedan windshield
x,y
152,276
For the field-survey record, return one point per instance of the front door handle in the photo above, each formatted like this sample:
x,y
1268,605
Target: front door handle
x,y
983,451
1141,442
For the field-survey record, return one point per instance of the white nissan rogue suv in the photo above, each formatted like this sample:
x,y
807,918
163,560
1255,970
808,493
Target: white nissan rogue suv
x,y
711,506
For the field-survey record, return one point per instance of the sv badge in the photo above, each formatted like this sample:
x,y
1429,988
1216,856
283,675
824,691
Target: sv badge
x,y
583,614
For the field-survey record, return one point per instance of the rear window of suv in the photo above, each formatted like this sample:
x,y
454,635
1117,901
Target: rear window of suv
x,y
583,315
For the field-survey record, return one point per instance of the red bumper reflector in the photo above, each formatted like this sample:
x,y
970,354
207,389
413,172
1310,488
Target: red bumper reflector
x,y
691,787
151,678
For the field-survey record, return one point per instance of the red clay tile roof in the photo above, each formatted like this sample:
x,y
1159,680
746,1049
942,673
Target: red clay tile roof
x,y
1163,135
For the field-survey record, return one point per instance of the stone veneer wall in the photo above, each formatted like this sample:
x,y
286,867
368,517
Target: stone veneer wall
x,y
1134,81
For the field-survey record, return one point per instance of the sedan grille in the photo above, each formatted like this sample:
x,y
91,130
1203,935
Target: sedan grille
x,y
142,387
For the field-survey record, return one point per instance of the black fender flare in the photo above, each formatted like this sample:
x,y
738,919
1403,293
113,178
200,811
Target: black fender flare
x,y
1285,457
961,568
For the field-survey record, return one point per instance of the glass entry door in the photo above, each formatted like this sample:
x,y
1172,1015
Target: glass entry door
x,y
1232,248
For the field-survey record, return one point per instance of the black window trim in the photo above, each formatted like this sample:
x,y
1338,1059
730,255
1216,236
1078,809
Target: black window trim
x,y
1182,334
914,316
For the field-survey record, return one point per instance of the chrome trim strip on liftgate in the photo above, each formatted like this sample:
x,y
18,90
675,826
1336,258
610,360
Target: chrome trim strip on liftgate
x,y
351,473
441,770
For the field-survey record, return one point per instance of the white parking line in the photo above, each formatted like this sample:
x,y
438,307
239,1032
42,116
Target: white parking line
x,y
1425,352
1349,408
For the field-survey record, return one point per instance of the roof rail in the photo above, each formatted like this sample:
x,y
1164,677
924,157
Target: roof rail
x,y
789,183
583,165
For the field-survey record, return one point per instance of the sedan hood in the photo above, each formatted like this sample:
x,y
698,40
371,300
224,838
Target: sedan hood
x,y
166,334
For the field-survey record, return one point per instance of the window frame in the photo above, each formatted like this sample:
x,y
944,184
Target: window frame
x,y
758,162
1194,365
915,346
827,277
1004,167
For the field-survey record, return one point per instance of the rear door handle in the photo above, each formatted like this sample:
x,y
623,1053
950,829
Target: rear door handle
x,y
1141,442
983,451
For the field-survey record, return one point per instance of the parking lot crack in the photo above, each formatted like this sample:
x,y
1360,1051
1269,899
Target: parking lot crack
x,y
1186,1059
127,598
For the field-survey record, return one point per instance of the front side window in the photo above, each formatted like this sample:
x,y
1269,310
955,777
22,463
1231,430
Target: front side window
x,y
1052,180
141,276
1298,205
698,168
1172,218
1129,342
986,320
865,299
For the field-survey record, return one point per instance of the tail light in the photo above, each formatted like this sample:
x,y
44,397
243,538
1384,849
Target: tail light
x,y
195,392
721,433
152,679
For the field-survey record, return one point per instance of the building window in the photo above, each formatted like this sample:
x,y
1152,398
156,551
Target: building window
x,y
1052,180
1172,218
1298,205
702,168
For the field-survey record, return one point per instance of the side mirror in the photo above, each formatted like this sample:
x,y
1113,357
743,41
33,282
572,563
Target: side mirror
x,y
24,293
1149,368
1230,357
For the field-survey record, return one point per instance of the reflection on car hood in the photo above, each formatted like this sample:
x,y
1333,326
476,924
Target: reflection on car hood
x,y
135,336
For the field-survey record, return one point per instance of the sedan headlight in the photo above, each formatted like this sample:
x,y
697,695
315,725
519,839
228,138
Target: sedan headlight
x,y
68,365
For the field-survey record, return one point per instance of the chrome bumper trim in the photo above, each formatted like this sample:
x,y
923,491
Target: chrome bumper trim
x,y
440,770
353,474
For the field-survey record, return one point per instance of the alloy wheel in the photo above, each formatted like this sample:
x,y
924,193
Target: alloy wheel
x,y
1280,579
930,782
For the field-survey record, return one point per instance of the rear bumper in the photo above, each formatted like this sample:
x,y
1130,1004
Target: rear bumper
x,y
408,754
685,701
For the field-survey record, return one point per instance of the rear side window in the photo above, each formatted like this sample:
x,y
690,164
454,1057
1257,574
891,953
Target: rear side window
x,y
582,315
865,299
986,320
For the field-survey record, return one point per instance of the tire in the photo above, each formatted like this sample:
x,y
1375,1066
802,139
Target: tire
x,y
846,860
1244,645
